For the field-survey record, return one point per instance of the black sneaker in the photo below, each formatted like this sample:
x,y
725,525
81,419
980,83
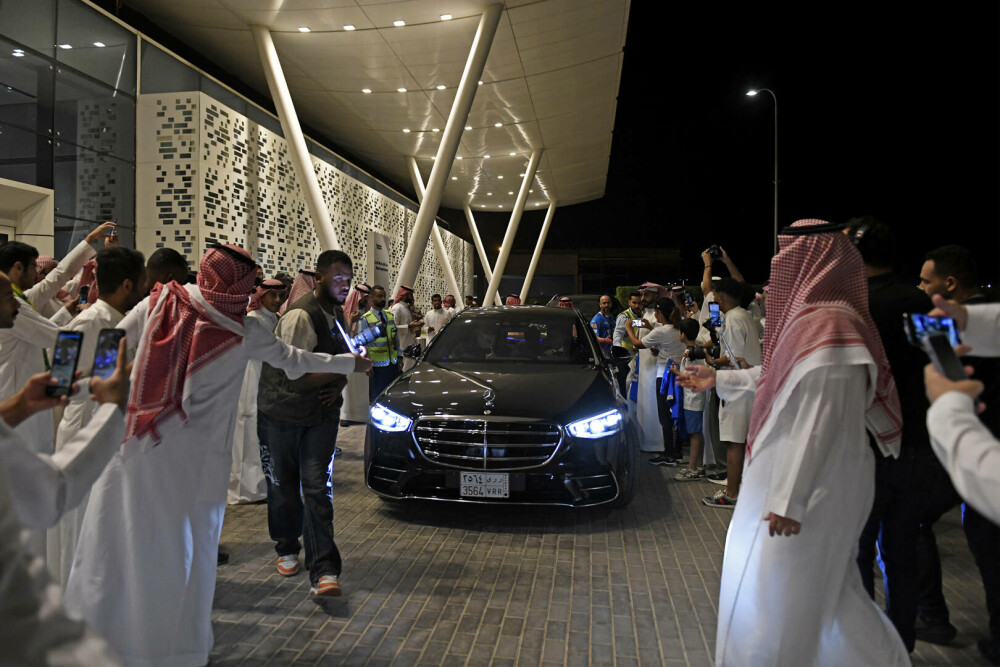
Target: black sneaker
x,y
661,460
934,631
716,475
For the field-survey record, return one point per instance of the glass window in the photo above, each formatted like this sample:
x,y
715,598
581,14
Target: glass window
x,y
30,23
25,83
93,115
100,47
162,73
25,156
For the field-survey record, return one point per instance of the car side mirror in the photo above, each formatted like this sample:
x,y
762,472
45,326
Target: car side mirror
x,y
412,351
620,354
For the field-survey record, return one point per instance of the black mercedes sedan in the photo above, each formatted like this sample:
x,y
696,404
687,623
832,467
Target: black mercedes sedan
x,y
508,405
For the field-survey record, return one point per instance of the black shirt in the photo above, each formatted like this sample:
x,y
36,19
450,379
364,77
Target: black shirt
x,y
888,298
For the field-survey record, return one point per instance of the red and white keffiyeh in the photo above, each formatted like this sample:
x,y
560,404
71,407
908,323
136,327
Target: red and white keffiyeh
x,y
256,299
89,278
180,338
353,303
403,291
660,290
818,299
512,300
304,283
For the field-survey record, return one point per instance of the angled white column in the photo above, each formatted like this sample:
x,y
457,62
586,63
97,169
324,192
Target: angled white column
x,y
538,250
466,92
298,153
515,220
442,252
483,259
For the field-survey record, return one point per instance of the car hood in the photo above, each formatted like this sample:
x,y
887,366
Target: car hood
x,y
558,393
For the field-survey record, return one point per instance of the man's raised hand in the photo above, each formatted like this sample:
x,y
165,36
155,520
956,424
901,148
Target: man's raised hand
x,y
697,378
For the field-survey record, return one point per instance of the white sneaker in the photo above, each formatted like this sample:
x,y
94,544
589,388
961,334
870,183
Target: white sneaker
x,y
720,482
288,565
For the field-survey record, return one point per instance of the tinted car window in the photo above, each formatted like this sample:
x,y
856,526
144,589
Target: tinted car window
x,y
541,339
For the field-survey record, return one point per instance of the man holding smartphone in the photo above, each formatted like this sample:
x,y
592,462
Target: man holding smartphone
x,y
121,274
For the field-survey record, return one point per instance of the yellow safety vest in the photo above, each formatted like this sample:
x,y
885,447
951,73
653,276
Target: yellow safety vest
x,y
626,341
382,350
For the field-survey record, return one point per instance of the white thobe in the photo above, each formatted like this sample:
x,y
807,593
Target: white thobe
x,y
61,542
401,315
22,346
246,479
741,335
144,571
799,600
435,319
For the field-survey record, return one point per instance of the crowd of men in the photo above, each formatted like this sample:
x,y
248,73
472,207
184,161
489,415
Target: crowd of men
x,y
776,398
805,403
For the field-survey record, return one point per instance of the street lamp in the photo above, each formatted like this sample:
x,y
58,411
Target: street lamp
x,y
753,93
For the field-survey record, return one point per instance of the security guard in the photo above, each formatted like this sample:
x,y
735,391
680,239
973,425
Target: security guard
x,y
619,337
384,351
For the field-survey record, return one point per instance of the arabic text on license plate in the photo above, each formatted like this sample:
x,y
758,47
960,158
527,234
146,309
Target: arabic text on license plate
x,y
484,485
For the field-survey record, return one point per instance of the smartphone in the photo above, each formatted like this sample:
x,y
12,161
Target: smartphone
x,y
636,324
84,293
106,355
114,231
714,315
936,336
65,357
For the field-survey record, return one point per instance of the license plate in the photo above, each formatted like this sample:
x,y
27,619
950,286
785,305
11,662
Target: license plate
x,y
484,485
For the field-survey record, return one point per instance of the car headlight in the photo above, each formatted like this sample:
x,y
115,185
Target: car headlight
x,y
598,426
385,419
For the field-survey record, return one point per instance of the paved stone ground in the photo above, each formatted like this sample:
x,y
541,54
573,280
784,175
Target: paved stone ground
x,y
446,584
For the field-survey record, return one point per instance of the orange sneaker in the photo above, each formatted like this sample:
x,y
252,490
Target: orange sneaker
x,y
328,586
288,565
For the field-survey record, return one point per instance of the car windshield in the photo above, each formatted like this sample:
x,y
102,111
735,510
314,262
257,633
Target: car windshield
x,y
533,337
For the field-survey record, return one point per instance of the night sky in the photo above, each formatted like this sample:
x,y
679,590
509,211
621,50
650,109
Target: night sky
x,y
892,114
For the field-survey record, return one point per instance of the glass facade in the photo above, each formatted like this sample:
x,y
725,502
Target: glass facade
x,y
67,112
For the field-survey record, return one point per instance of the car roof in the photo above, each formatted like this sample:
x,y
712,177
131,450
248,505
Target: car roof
x,y
498,312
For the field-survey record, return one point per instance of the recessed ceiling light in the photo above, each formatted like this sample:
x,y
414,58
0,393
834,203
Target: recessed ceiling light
x,y
530,191
401,90
18,53
512,154
454,178
497,124
480,83
521,175
446,17
349,27
489,194
100,45
458,157
486,157
406,130
366,91
65,46
468,127
304,29
511,192
442,87
500,177
436,129
472,193
398,23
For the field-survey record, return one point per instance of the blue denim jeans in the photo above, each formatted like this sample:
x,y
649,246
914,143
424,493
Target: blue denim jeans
x,y
301,457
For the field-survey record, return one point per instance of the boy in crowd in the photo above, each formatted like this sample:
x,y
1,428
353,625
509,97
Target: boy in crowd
x,y
694,404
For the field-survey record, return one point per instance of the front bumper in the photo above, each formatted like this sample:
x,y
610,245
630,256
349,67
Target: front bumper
x,y
581,473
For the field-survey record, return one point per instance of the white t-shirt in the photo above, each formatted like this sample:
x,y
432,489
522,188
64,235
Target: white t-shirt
x,y
694,401
666,339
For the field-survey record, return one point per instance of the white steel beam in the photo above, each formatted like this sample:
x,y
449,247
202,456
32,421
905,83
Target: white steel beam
x,y
442,252
538,250
448,148
515,220
298,152
483,259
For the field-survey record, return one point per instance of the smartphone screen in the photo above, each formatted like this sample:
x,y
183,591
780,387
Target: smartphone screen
x,y
84,293
714,314
636,324
921,325
65,357
106,355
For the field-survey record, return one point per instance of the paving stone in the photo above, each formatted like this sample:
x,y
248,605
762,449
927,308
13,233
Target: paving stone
x,y
444,584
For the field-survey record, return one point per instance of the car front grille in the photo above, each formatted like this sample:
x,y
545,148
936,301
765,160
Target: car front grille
x,y
487,444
